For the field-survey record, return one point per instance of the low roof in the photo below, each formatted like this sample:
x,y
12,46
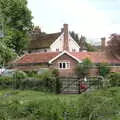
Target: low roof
x,y
95,57
36,58
46,57
44,41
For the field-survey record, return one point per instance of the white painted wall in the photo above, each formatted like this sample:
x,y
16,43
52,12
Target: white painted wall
x,y
73,45
58,44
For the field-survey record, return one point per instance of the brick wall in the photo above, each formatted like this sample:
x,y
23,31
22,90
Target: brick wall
x,y
65,72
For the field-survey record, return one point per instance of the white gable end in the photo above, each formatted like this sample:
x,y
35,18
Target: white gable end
x,y
58,44
73,46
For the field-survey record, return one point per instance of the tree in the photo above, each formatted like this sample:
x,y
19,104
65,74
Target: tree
x,y
114,46
82,42
75,36
85,45
6,54
17,23
82,69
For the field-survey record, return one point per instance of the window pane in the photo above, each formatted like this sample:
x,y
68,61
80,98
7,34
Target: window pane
x,y
64,65
60,65
67,65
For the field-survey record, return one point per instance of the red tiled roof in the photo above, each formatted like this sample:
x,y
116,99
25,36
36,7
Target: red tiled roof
x,y
37,58
95,57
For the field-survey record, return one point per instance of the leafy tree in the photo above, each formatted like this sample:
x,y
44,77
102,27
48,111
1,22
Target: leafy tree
x,y
82,42
114,46
6,54
75,36
17,22
82,69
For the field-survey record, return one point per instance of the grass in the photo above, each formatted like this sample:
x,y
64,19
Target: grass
x,y
33,105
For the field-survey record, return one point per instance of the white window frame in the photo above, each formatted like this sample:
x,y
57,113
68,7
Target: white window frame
x,y
67,65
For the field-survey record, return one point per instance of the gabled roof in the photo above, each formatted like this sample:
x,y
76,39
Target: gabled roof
x,y
64,52
36,58
44,41
49,57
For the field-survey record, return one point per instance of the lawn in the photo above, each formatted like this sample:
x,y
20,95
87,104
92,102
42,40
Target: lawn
x,y
34,105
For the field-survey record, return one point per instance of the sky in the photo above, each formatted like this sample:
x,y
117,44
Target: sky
x,y
92,18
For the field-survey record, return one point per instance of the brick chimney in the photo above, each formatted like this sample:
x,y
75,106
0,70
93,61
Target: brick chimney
x,y
65,44
103,44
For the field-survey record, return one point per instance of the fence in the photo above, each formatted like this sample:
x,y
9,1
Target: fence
x,y
74,85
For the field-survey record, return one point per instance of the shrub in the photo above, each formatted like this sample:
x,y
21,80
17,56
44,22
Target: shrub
x,y
55,72
114,79
82,69
49,80
6,82
19,75
104,69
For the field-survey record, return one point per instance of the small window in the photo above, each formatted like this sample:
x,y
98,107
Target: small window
x,y
45,50
64,65
73,50
57,49
60,65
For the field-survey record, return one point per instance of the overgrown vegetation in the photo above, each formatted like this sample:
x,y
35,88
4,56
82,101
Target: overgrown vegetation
x,y
114,79
48,81
82,69
31,105
104,69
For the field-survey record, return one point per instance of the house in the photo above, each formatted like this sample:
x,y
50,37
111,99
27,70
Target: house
x,y
64,61
55,42
60,51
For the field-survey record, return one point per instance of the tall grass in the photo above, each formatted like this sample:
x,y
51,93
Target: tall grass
x,y
31,105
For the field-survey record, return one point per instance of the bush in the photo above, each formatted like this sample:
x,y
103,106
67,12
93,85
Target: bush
x,y
48,81
104,69
19,75
82,69
114,79
6,82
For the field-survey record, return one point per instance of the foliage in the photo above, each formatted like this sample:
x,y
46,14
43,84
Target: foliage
x,y
75,36
19,75
31,105
47,81
104,69
82,69
17,22
55,72
89,47
6,54
82,42
114,79
6,82
114,46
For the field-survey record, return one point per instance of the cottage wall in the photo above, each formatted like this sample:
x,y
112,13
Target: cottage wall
x,y
65,72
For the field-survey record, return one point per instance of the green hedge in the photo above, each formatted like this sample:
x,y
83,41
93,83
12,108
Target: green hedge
x,y
114,79
47,81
